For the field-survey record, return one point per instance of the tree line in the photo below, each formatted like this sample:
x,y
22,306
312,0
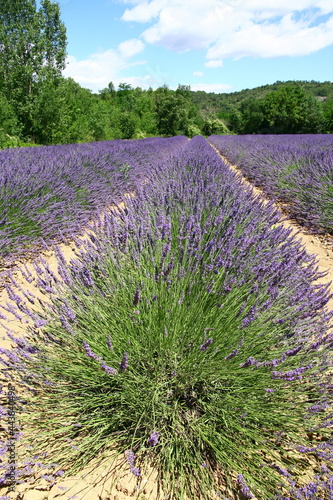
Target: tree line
x,y
39,106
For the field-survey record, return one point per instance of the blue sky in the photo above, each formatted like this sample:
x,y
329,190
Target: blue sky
x,y
212,45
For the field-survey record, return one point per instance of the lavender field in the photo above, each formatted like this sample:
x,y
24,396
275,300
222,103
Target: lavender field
x,y
189,333
52,192
294,169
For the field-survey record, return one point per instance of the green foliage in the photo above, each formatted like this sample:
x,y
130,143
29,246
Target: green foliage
x,y
244,112
127,125
328,115
32,49
291,110
9,123
8,141
252,116
214,127
192,130
171,111
62,113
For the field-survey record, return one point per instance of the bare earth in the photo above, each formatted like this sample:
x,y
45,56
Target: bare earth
x,y
110,480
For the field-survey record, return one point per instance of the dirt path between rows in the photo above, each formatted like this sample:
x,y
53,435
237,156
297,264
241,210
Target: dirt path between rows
x,y
97,483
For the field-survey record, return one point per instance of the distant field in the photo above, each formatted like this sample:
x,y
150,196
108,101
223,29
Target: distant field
x,y
295,169
49,192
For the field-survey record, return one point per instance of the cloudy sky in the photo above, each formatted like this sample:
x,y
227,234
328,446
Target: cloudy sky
x,y
212,45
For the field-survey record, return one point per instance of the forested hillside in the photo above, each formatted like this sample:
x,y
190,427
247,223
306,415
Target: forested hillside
x,y
39,106
280,108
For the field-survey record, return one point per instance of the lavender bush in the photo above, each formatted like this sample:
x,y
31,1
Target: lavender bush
x,y
295,169
51,192
187,335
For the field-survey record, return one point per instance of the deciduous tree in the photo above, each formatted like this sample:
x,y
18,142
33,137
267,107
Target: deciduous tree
x,y
32,48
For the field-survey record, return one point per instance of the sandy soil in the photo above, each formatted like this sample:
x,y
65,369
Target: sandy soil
x,y
113,480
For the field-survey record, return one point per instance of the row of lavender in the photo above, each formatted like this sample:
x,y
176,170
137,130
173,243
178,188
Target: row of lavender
x,y
295,169
189,335
51,192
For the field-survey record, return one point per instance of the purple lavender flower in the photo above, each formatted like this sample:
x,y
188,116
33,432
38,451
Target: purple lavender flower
x,y
153,439
124,362
40,323
243,486
166,250
108,369
130,456
205,346
48,478
69,313
131,459
292,374
86,277
135,471
282,471
294,351
232,354
249,362
109,342
90,353
318,407
137,297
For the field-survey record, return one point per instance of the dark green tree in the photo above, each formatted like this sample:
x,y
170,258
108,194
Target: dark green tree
x,y
63,113
127,125
235,121
125,97
171,111
53,40
9,126
291,110
32,48
145,111
328,115
109,93
252,117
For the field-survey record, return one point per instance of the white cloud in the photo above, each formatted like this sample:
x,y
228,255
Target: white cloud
x,y
130,48
214,63
144,11
199,74
218,88
286,38
102,67
235,28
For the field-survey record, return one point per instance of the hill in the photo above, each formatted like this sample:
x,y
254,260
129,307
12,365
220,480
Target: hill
x,y
238,109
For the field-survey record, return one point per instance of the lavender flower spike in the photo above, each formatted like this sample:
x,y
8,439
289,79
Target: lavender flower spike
x,y
131,458
108,369
137,297
109,342
205,346
124,362
243,486
90,353
153,439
